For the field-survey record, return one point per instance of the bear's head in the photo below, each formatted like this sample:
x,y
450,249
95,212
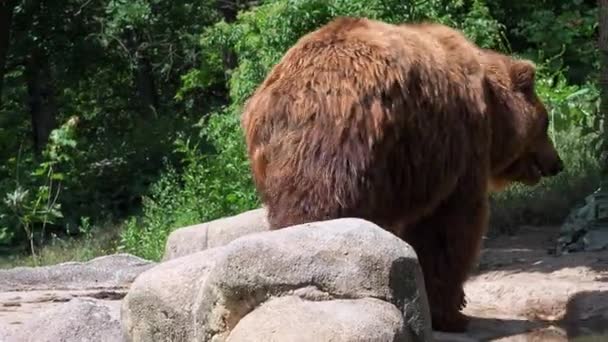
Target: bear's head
x,y
522,150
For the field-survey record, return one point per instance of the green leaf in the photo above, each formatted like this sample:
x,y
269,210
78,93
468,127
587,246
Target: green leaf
x,y
578,93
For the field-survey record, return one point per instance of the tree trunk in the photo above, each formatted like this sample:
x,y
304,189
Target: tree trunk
x,y
6,19
41,98
146,87
143,77
229,10
603,83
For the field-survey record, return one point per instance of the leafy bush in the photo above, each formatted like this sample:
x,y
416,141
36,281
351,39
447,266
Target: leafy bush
x,y
92,242
261,36
93,61
562,34
139,75
30,200
550,201
219,184
569,105
574,123
210,186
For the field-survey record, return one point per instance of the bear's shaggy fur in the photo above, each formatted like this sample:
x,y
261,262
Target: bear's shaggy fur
x,y
409,126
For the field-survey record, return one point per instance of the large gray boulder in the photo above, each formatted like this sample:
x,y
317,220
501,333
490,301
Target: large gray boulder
x,y
335,268
159,305
199,237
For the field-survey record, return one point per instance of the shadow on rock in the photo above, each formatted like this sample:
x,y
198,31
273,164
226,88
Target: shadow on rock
x,y
585,319
587,314
532,249
496,329
416,312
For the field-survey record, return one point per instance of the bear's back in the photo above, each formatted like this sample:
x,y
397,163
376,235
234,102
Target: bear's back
x,y
357,109
360,53
351,60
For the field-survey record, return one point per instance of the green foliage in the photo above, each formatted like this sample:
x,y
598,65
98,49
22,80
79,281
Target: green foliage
x,y
570,105
260,37
210,186
93,242
574,131
123,13
93,53
548,28
551,200
218,183
31,203
148,94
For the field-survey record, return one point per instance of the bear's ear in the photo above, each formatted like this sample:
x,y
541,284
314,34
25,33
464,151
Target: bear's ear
x,y
523,74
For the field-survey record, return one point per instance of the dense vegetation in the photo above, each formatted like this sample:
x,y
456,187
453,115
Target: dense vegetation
x,y
125,113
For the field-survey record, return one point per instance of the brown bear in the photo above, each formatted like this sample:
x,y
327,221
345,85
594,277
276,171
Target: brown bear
x,y
408,126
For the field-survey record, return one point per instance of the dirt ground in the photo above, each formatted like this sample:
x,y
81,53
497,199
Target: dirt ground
x,y
523,292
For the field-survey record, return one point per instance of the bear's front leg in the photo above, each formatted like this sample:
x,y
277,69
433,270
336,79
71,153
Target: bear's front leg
x,y
447,244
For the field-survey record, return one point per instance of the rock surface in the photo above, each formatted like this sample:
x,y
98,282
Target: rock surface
x,y
104,272
74,301
294,319
76,320
159,304
199,237
203,296
520,293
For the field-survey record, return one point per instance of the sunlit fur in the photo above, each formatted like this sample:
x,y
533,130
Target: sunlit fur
x,y
408,126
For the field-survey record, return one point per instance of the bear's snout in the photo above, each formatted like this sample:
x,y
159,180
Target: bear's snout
x,y
556,168
549,167
547,159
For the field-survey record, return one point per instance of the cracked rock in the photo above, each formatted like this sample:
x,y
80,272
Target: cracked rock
x,y
80,319
346,271
110,271
296,320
